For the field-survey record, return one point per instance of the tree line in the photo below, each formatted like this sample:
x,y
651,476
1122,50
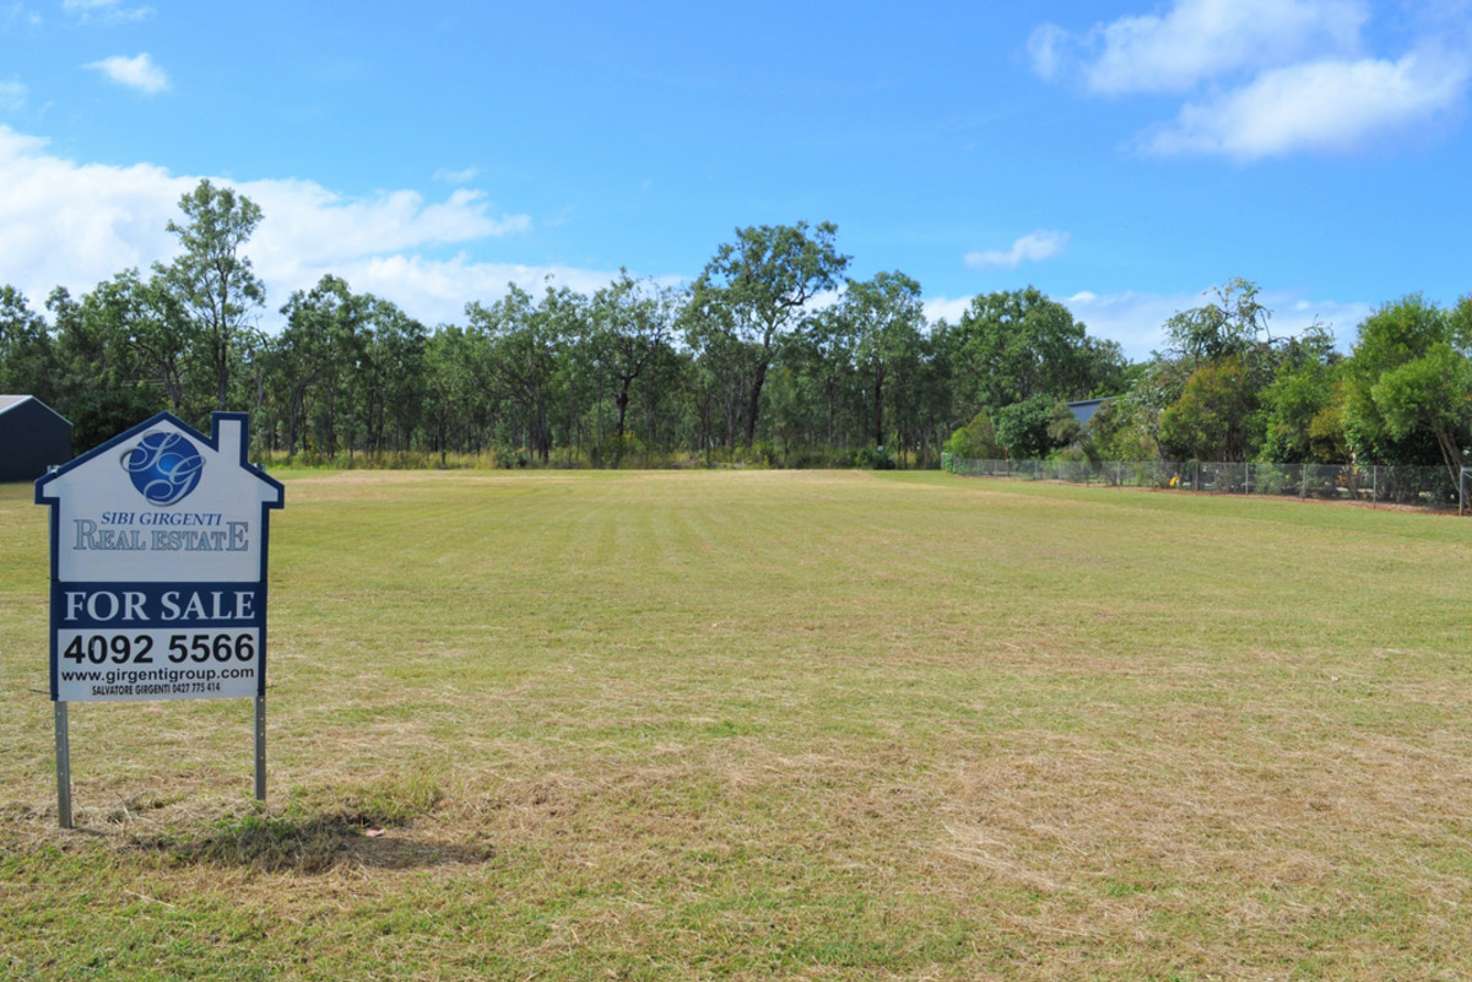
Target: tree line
x,y
1226,389
772,355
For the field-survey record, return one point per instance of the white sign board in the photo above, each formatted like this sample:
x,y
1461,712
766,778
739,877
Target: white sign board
x,y
158,565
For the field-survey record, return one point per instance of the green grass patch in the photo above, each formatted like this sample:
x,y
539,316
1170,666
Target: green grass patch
x,y
775,723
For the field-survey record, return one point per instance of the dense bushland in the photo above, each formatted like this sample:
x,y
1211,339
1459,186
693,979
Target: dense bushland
x,y
772,356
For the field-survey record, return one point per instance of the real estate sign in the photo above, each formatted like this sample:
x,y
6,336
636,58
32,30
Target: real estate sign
x,y
158,565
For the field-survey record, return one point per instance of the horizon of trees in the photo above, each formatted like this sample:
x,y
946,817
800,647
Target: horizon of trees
x,y
772,355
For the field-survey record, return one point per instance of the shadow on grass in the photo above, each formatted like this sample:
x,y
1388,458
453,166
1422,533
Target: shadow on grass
x,y
363,827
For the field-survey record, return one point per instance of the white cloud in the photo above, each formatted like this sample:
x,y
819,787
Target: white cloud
x,y
138,72
1032,247
17,13
1322,105
1270,77
1047,47
463,175
947,309
104,11
1134,319
75,224
436,291
13,96
1196,40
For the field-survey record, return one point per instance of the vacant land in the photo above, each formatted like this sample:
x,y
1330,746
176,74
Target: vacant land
x,y
754,723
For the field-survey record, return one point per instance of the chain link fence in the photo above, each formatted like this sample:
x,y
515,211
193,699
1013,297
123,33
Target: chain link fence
x,y
1425,487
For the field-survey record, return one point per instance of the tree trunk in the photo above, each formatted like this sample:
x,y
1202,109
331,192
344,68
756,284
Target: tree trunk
x,y
622,401
1451,454
222,370
879,407
293,415
543,435
755,403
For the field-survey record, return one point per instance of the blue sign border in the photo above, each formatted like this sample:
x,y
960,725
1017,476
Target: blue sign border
x,y
213,442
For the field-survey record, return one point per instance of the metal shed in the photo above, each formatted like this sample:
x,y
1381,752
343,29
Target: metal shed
x,y
33,436
1084,409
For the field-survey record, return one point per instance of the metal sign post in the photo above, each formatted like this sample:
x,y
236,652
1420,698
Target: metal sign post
x,y
158,574
260,748
63,767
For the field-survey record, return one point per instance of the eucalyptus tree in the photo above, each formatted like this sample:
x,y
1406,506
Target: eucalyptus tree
x,y
630,324
759,288
317,349
26,355
1233,322
527,338
167,340
449,383
391,379
1015,345
887,318
114,360
825,352
212,279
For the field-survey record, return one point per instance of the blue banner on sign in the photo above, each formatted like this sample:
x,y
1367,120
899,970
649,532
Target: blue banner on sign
x,y
161,605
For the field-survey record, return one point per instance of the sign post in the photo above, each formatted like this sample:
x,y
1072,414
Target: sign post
x,y
158,574
63,767
261,747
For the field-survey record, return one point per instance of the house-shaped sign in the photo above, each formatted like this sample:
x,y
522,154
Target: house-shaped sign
x,y
158,565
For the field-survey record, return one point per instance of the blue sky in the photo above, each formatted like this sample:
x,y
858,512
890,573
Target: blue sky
x,y
1122,156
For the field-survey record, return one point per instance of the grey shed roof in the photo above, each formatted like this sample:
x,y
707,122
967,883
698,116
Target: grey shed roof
x,y
1084,409
8,403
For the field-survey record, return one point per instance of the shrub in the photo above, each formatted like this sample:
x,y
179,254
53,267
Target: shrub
x,y
1022,428
977,440
874,458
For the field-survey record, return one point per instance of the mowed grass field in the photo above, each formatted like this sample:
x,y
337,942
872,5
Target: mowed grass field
x,y
825,724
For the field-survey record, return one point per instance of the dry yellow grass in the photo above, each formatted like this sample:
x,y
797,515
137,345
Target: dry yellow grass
x,y
655,724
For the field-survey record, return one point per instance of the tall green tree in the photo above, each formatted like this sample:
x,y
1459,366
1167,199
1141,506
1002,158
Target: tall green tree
x,y
630,324
1017,345
1230,324
26,354
1404,394
1430,394
1303,406
320,344
103,359
887,317
1212,418
758,288
390,385
527,340
212,280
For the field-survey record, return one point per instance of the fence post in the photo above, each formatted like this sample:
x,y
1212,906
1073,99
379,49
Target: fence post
x,y
1196,482
1374,485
